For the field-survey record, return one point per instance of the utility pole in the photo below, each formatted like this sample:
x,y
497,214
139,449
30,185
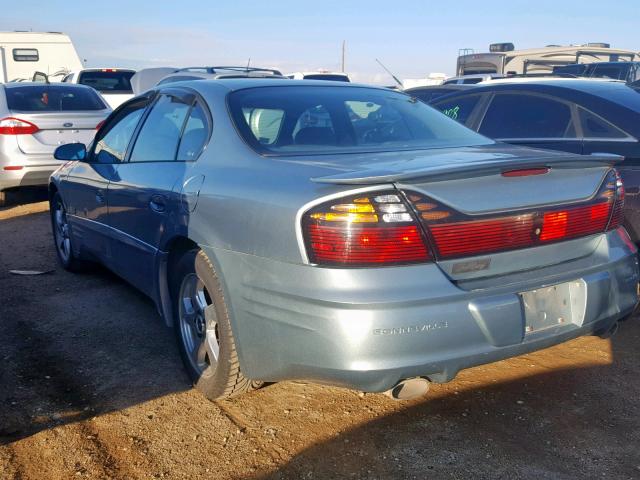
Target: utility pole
x,y
344,43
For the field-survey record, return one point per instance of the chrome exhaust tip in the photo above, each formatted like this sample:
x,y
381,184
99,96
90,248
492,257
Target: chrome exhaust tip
x,y
409,388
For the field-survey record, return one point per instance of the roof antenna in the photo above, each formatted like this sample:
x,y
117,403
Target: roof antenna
x,y
392,75
248,63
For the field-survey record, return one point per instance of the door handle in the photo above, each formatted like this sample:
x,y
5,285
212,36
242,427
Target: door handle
x,y
158,203
100,196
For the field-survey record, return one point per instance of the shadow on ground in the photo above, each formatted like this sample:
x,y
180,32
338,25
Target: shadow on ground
x,y
73,346
560,424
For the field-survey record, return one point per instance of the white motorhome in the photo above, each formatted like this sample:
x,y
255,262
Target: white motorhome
x,y
24,53
504,59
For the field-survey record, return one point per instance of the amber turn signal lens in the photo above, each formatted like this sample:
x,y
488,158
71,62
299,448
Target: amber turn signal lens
x,y
345,217
434,215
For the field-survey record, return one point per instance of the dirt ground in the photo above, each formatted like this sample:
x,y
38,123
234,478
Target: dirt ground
x,y
91,386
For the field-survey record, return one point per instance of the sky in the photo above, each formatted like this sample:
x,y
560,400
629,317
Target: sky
x,y
412,38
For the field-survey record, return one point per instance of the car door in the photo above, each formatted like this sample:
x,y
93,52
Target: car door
x,y
532,120
85,187
145,197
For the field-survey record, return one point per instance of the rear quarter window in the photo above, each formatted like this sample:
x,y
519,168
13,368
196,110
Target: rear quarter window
x,y
594,126
52,98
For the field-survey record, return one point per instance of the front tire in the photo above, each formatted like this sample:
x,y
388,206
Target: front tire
x,y
203,329
62,236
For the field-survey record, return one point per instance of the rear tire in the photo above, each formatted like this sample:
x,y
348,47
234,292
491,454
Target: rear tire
x,y
62,236
203,329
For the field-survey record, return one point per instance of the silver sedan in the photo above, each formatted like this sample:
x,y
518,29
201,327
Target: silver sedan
x,y
35,118
342,234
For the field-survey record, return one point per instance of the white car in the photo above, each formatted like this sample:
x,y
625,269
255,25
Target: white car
x,y
114,84
320,75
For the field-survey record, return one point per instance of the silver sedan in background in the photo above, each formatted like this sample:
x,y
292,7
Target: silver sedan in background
x,y
35,118
342,234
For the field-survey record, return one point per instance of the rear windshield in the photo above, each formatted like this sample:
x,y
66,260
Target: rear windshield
x,y
107,82
297,120
52,98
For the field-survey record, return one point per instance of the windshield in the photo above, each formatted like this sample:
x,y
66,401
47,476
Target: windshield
x,y
108,81
52,98
297,120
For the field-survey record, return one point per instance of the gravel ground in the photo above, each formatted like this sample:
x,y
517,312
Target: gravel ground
x,y
91,386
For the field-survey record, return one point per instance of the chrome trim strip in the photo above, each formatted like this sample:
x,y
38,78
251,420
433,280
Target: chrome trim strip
x,y
133,239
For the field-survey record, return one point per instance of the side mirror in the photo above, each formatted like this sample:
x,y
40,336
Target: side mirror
x,y
71,151
40,77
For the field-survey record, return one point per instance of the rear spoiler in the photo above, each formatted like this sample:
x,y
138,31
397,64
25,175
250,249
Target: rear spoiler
x,y
469,169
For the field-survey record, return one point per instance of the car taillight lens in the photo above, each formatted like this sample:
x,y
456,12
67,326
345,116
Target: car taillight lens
x,y
364,230
454,235
15,126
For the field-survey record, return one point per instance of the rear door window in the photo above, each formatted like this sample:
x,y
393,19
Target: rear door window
x,y
459,108
160,135
527,116
52,98
107,81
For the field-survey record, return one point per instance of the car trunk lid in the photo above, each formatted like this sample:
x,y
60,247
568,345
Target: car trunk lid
x,y
58,128
484,215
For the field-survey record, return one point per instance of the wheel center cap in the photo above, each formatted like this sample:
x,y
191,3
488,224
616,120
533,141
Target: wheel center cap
x,y
200,325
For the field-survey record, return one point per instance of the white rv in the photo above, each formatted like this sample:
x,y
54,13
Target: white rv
x,y
504,59
24,53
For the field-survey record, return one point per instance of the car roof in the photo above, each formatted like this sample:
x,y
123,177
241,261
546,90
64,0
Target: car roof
x,y
233,84
547,80
319,73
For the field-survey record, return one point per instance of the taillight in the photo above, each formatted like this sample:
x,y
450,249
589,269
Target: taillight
x,y
99,125
15,126
454,235
364,230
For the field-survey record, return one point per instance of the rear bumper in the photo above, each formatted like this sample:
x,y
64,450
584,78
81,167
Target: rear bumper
x,y
369,328
36,170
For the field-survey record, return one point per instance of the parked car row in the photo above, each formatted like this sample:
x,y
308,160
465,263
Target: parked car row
x,y
353,235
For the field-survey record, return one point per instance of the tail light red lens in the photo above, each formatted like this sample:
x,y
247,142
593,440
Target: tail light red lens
x,y
364,230
392,228
455,235
15,126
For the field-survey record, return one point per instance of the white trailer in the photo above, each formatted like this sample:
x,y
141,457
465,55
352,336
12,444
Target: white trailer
x,y
24,53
